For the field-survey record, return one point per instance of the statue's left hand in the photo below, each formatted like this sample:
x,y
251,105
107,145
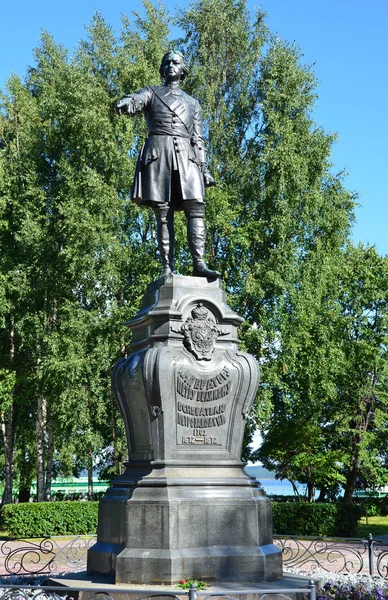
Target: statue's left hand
x,y
208,180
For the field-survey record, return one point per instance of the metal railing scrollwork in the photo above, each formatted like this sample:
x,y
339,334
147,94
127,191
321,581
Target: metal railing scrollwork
x,y
45,556
379,557
54,556
14,592
339,555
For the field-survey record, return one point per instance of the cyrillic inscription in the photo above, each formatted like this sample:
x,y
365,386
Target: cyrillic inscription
x,y
203,390
200,422
201,411
194,415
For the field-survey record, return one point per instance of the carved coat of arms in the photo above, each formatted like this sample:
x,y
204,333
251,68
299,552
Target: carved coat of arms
x,y
200,333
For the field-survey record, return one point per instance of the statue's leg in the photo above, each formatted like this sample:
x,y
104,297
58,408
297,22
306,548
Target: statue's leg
x,y
196,237
165,235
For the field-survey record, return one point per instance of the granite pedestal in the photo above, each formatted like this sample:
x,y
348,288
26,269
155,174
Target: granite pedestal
x,y
184,507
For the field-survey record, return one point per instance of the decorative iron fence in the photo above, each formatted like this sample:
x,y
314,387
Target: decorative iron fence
x,y
54,556
14,592
47,556
341,555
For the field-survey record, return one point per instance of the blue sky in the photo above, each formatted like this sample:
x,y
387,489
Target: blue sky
x,y
346,40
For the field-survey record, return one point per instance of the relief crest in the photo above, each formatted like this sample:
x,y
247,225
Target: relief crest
x,y
200,333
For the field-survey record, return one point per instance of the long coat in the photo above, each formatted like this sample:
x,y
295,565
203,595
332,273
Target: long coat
x,y
175,143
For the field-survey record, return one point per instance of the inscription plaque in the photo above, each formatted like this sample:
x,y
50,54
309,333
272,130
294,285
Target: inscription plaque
x,y
199,408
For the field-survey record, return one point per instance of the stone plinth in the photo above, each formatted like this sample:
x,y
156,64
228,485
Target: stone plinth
x,y
184,507
289,587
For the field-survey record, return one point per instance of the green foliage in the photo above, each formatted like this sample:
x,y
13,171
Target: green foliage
x,y
286,498
277,221
331,358
315,519
76,254
7,386
186,584
40,519
373,507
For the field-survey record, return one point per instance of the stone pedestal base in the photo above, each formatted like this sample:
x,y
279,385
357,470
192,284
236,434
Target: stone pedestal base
x,y
178,523
184,506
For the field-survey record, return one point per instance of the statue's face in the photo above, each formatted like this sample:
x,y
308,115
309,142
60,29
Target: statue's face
x,y
172,67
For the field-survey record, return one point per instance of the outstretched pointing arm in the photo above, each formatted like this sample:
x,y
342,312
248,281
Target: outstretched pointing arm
x,y
134,103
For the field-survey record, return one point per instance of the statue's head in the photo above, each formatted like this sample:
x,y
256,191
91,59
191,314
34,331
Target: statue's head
x,y
173,66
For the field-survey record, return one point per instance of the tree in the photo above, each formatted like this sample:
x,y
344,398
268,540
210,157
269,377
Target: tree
x,y
78,254
363,384
71,276
279,217
335,374
299,439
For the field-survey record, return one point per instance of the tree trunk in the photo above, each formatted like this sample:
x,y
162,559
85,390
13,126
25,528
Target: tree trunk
x,y
40,438
310,491
90,472
351,479
24,494
294,487
322,494
6,430
114,439
50,456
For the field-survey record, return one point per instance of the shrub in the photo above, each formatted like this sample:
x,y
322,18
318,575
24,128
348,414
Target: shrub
x,y
372,507
41,519
284,498
316,519
57,496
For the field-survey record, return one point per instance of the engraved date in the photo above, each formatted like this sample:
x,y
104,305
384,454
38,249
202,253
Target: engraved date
x,y
195,439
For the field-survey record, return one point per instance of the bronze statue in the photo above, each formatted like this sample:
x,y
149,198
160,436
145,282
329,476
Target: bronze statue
x,y
171,170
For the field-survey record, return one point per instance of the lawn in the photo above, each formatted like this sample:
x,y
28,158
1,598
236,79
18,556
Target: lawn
x,y
376,526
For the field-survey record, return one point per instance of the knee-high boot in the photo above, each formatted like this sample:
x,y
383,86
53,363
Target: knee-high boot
x,y
196,237
165,237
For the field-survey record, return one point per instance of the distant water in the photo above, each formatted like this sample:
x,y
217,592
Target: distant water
x,y
272,485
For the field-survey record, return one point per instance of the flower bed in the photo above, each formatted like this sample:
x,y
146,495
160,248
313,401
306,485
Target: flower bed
x,y
340,586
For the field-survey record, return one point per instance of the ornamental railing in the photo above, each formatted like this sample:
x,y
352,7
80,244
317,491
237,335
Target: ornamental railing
x,y
54,556
14,592
339,555
47,556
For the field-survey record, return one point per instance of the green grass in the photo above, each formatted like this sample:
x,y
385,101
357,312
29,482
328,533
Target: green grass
x,y
376,526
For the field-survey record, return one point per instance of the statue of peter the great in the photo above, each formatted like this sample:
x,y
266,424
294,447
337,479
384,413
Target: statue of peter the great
x,y
171,170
